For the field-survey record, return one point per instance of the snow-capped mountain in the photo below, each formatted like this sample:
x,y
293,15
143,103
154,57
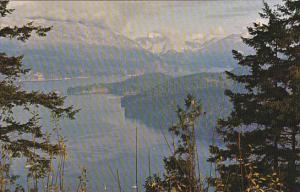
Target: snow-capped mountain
x,y
84,51
225,44
212,55
155,43
79,33
197,44
159,44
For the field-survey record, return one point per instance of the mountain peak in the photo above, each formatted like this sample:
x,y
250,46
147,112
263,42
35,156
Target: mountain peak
x,y
155,35
154,42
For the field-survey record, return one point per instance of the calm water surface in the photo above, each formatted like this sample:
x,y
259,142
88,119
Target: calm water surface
x,y
102,140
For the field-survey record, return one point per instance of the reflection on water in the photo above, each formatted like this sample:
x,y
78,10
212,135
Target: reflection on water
x,y
103,140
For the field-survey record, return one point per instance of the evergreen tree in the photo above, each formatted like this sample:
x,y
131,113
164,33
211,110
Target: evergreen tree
x,y
263,128
26,138
181,167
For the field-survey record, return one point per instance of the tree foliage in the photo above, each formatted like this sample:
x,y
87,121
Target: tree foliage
x,y
267,115
25,138
181,166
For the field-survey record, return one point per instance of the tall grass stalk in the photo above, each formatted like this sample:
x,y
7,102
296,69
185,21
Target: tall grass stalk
x,y
136,159
119,182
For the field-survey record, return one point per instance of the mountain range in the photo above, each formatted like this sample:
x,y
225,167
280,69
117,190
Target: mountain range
x,y
101,51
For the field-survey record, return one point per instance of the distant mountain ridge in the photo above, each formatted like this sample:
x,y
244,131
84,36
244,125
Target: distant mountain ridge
x,y
156,106
131,86
113,53
152,98
155,84
69,60
215,54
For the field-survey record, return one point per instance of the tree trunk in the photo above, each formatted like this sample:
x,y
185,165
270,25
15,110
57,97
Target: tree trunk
x,y
275,165
291,179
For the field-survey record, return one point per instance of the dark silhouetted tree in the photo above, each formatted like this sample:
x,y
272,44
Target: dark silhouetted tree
x,y
266,116
25,138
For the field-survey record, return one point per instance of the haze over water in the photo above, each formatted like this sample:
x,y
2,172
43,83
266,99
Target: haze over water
x,y
102,140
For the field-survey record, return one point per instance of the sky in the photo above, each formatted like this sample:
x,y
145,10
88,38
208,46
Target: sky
x,y
178,20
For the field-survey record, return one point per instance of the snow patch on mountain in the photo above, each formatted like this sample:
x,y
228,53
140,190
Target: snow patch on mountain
x,y
155,42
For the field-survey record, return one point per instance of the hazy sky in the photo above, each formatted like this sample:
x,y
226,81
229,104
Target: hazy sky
x,y
179,21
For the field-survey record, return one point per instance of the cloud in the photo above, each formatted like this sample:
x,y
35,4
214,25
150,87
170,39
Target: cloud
x,y
63,11
178,20
116,15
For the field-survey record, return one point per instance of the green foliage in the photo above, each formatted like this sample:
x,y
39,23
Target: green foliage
x,y
256,181
154,184
82,186
265,116
180,167
138,84
156,84
132,85
26,138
